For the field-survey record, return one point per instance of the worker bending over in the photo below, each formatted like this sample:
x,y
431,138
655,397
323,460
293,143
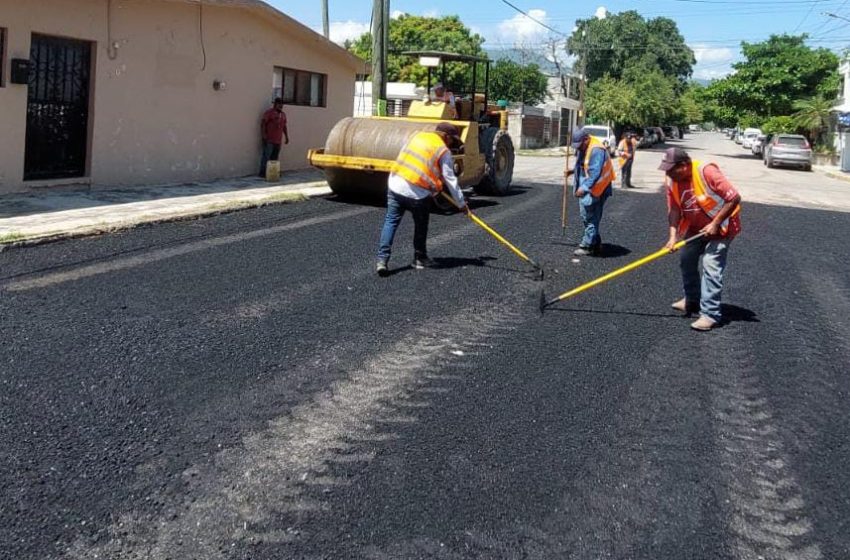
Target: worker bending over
x,y
700,199
441,94
423,168
594,174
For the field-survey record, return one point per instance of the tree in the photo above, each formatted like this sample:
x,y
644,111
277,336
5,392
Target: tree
x,y
776,73
515,82
621,41
690,110
418,33
779,125
812,115
609,100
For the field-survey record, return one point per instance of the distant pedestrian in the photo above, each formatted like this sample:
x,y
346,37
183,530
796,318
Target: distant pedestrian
x,y
424,167
274,132
700,199
626,152
594,173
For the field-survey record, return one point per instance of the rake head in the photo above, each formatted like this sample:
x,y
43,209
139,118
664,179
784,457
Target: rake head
x,y
537,272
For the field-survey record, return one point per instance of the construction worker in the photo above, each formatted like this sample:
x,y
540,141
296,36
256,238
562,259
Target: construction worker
x,y
626,152
441,94
423,168
700,200
594,173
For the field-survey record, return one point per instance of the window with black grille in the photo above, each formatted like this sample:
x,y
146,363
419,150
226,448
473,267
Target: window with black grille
x,y
300,87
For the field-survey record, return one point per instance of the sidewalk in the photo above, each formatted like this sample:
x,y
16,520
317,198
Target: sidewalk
x,y
833,173
32,218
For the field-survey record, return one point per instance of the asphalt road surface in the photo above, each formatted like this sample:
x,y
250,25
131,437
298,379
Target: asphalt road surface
x,y
244,387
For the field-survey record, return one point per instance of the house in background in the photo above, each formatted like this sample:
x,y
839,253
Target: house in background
x,y
134,92
842,110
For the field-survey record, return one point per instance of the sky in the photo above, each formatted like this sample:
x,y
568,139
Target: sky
x,y
714,29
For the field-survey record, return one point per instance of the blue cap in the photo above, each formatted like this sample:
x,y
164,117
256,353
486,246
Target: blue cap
x,y
579,135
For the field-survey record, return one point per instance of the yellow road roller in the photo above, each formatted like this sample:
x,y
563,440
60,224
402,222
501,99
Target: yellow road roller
x,y
360,151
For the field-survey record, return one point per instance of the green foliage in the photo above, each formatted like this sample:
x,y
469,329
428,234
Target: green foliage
x,y
774,74
812,115
621,41
418,33
779,125
517,83
690,110
609,100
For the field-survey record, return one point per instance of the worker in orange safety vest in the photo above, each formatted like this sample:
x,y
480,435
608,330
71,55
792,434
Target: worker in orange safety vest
x,y
424,168
594,173
700,200
626,152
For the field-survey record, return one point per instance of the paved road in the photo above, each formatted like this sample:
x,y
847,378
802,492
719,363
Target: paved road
x,y
243,387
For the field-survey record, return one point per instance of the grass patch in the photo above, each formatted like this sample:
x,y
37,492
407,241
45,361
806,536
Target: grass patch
x,y
11,237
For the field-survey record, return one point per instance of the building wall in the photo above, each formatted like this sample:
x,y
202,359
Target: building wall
x,y
155,115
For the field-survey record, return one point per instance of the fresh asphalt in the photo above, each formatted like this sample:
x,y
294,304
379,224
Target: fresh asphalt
x,y
245,387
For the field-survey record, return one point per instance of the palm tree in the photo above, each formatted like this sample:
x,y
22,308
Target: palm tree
x,y
812,115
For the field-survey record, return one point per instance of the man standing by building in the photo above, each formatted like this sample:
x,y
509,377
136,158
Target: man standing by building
x,y
274,132
594,173
626,152
423,168
700,199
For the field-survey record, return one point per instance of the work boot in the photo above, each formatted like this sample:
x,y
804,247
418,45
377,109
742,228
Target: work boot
x,y
704,324
586,251
422,261
685,306
381,268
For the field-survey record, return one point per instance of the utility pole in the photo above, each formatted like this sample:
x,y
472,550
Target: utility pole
x,y
325,25
380,36
583,77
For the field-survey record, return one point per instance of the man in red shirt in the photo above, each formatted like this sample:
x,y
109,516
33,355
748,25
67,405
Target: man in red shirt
x,y
700,200
273,129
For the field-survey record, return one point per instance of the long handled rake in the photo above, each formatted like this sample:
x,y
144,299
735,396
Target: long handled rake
x,y
481,223
611,275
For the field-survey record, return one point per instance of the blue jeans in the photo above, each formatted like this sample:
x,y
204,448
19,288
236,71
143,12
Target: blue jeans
x,y
396,206
270,152
590,209
707,289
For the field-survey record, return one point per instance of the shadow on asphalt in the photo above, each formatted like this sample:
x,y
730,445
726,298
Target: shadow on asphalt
x,y
736,314
731,313
610,251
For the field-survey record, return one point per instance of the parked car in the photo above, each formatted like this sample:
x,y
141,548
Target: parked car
x,y
694,128
764,144
604,133
750,134
788,149
671,132
660,133
731,132
739,137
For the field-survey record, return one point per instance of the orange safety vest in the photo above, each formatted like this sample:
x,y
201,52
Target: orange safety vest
x,y
607,175
709,201
629,150
418,163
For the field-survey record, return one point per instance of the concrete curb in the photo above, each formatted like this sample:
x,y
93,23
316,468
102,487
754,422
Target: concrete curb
x,y
209,207
838,175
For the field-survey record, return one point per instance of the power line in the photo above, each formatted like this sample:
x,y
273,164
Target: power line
x,y
537,21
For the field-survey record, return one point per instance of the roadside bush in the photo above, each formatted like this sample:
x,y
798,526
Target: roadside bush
x,y
779,125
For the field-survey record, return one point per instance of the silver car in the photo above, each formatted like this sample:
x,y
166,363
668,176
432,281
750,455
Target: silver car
x,y
788,149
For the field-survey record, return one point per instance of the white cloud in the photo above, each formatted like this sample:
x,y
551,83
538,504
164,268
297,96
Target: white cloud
x,y
712,73
601,12
705,54
521,28
431,14
397,14
342,30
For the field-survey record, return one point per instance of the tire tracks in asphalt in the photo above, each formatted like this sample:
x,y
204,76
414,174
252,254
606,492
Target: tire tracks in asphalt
x,y
265,490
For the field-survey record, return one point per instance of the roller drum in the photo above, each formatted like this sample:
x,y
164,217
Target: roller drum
x,y
369,138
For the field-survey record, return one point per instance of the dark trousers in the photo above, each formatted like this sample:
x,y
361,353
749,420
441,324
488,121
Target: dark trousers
x,y
626,173
396,206
271,152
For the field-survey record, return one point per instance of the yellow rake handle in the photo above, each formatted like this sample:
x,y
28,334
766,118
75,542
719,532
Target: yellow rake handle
x,y
629,267
491,231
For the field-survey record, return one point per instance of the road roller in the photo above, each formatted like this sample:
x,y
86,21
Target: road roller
x,y
360,151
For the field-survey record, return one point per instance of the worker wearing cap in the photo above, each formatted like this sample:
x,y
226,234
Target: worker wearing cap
x,y
626,152
424,167
594,173
443,95
700,200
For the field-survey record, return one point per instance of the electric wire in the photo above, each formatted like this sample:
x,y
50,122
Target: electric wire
x,y
201,33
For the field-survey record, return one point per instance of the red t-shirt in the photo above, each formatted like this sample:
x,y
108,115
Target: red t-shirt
x,y
274,125
694,217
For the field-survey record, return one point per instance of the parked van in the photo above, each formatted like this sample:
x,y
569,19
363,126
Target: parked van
x,y
604,133
750,134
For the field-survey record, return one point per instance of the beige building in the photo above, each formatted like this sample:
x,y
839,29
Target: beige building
x,y
131,92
